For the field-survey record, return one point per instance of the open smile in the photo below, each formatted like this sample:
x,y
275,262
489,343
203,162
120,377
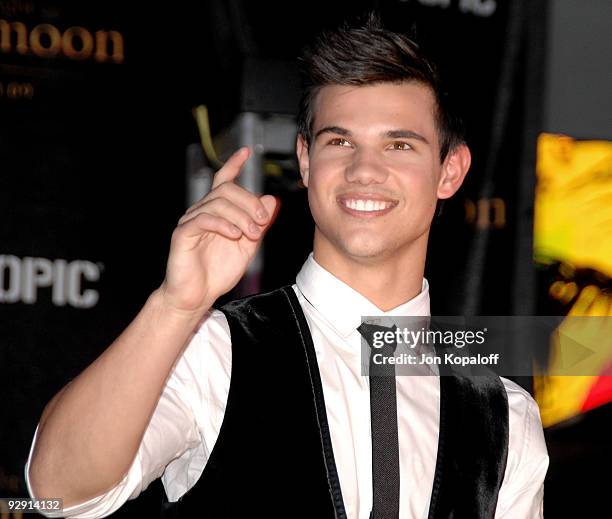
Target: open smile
x,y
366,205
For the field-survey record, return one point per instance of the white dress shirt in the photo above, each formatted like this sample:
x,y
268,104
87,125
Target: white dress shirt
x,y
186,422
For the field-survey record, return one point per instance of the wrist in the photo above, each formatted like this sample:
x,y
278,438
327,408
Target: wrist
x,y
160,301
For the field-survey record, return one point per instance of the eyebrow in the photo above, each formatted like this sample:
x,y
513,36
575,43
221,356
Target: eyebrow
x,y
391,134
334,129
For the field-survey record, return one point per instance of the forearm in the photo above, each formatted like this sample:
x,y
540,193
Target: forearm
x,y
90,432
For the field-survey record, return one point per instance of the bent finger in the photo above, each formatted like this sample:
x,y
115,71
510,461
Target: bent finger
x,y
206,223
236,215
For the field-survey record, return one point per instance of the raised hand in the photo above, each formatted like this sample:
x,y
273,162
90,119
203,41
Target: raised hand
x,y
215,240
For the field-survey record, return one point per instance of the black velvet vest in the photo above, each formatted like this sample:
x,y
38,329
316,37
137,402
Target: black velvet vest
x,y
274,457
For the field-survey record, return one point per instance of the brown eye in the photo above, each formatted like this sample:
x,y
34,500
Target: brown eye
x,y
401,146
339,141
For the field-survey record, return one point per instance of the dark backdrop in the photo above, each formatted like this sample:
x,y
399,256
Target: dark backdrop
x,y
92,168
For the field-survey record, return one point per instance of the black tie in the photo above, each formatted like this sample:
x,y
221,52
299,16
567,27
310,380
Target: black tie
x,y
383,406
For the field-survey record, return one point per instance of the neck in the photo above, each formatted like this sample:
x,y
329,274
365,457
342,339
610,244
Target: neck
x,y
385,281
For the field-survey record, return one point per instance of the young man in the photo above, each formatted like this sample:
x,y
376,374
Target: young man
x,y
261,409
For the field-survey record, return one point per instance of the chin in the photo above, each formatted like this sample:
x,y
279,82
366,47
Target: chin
x,y
366,248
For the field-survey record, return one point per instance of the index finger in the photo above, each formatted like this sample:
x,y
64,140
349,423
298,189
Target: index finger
x,y
231,169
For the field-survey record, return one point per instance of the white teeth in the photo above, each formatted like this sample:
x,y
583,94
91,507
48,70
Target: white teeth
x,y
366,205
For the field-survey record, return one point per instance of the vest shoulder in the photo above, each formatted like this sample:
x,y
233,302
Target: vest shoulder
x,y
262,298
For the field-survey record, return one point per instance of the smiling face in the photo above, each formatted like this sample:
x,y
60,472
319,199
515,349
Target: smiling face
x,y
373,172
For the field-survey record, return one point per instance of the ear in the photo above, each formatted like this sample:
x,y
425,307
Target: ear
x,y
454,168
303,159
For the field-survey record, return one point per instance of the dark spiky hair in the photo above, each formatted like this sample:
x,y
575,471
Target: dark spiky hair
x,y
368,54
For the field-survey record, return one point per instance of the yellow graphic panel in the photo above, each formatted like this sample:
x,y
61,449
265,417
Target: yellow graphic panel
x,y
573,228
573,211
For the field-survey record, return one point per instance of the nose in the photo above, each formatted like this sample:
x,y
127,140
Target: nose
x,y
365,168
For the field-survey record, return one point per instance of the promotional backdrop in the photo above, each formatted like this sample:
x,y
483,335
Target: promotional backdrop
x,y
96,122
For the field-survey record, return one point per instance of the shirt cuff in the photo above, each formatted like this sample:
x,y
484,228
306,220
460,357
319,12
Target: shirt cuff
x,y
100,506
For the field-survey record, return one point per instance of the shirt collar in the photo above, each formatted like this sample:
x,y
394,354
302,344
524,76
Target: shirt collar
x,y
342,306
